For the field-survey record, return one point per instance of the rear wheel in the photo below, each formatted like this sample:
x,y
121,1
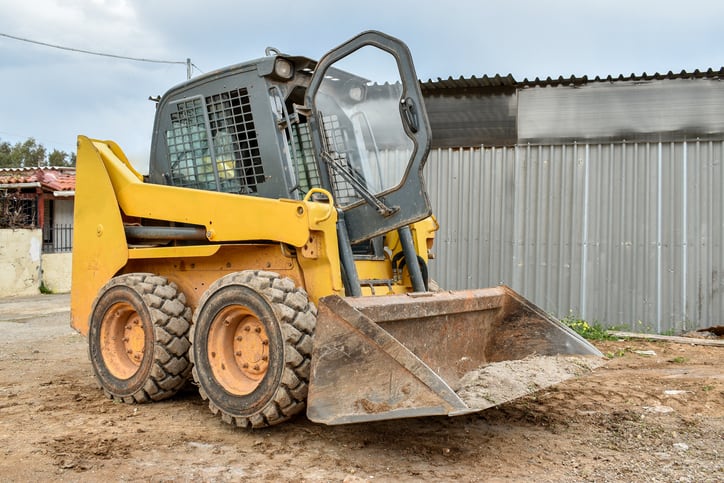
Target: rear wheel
x,y
138,338
252,344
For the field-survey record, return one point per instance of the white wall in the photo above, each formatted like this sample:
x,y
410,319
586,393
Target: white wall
x,y
56,271
23,267
20,261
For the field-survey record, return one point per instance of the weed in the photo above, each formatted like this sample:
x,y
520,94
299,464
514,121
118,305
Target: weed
x,y
613,355
44,289
593,331
643,328
678,360
707,388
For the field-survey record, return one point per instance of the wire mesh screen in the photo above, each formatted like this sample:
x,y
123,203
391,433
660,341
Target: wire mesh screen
x,y
337,138
213,145
188,146
307,172
236,145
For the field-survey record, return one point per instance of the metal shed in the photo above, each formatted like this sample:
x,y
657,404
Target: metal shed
x,y
616,226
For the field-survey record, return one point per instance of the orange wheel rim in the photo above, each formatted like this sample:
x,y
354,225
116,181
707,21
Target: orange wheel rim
x,y
238,350
123,339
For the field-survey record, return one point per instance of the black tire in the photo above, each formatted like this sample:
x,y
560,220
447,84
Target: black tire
x,y
251,348
138,338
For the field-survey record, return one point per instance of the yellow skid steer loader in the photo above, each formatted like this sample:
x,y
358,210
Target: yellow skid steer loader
x,y
277,254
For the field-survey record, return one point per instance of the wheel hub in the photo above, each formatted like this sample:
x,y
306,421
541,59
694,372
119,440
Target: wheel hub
x,y
122,340
251,348
238,349
133,339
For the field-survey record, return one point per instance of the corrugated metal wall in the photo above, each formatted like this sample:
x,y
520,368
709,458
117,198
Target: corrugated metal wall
x,y
622,233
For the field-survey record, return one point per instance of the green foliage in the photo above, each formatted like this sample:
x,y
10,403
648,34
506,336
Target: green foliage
x,y
31,154
591,332
44,289
613,355
678,360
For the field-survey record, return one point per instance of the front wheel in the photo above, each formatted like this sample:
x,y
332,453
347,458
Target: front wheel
x,y
138,338
251,348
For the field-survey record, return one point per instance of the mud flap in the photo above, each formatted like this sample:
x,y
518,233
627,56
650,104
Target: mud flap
x,y
445,353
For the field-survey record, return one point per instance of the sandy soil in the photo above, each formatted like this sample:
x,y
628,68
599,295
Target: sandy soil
x,y
639,418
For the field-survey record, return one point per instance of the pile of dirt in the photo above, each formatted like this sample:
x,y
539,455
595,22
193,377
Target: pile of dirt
x,y
499,382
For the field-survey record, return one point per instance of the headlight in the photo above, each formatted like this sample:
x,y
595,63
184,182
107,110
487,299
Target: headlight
x,y
356,90
357,93
283,69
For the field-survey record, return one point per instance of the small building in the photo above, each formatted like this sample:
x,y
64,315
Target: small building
x,y
36,229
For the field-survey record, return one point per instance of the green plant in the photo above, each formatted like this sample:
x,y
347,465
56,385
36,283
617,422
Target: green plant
x,y
593,331
44,289
678,360
613,355
707,388
643,328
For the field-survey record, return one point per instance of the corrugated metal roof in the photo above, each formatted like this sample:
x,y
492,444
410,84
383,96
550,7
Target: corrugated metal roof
x,y
51,179
508,80
472,82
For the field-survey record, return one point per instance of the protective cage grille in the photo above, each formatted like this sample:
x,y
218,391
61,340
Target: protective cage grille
x,y
213,144
307,173
337,143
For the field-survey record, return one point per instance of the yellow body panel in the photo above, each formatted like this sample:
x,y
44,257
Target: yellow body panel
x,y
107,187
193,274
99,242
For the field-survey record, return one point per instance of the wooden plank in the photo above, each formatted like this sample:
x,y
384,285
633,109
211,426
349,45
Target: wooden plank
x,y
668,338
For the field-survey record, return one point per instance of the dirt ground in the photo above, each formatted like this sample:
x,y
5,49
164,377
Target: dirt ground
x,y
639,418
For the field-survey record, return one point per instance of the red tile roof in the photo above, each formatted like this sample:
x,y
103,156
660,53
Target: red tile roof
x,y
50,179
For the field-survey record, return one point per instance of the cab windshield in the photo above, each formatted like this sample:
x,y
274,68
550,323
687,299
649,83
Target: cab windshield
x,y
366,147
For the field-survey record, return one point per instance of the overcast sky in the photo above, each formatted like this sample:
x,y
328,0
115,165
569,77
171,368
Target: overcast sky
x,y
54,95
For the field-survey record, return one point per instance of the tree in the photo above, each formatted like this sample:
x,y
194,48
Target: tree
x,y
30,154
61,158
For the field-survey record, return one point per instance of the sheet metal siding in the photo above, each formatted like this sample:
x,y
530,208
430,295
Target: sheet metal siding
x,y
635,111
622,233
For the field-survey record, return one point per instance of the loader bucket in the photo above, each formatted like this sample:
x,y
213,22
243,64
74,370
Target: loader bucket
x,y
445,353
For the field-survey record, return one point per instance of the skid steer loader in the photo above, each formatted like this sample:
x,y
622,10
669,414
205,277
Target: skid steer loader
x,y
277,254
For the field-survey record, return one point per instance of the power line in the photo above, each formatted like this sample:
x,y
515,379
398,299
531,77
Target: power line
x,y
187,62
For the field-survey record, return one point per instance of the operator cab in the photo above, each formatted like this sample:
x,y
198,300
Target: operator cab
x,y
279,126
